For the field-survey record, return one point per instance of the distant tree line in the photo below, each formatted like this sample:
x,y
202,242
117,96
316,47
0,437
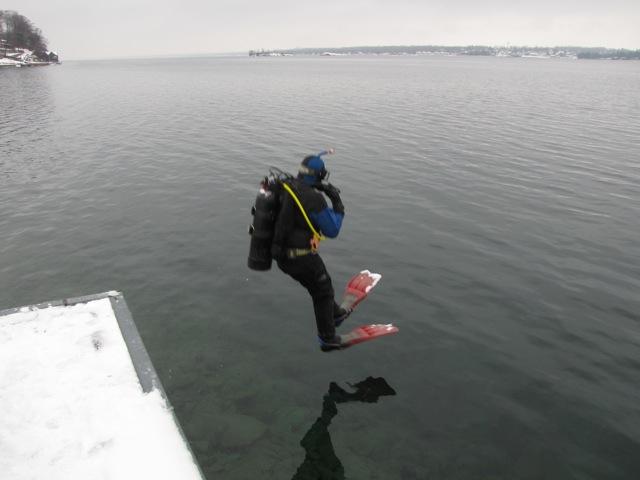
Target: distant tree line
x,y
484,50
602,53
17,31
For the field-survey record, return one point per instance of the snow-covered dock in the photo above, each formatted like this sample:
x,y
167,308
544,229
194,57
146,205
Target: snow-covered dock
x,y
80,399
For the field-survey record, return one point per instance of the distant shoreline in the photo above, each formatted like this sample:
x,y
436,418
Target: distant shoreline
x,y
470,50
22,44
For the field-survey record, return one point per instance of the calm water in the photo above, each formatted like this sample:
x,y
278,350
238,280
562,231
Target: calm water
x,y
499,198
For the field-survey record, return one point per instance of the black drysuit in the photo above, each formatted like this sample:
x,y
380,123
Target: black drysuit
x,y
292,242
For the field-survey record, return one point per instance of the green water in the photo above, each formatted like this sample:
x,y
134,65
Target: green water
x,y
498,197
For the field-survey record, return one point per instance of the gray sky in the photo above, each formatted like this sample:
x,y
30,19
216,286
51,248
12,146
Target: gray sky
x,y
121,28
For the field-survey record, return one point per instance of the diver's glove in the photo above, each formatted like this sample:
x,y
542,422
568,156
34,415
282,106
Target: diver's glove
x,y
328,188
334,195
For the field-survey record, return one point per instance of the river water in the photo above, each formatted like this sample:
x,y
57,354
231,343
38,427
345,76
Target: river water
x,y
499,198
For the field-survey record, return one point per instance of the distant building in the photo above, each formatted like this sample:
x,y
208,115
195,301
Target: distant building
x,y
4,46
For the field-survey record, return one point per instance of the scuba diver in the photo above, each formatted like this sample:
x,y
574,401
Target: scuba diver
x,y
303,220
290,218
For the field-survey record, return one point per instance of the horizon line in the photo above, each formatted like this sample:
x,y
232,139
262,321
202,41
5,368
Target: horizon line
x,y
244,52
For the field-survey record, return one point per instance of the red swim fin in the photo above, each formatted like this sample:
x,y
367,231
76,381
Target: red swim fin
x,y
358,288
364,333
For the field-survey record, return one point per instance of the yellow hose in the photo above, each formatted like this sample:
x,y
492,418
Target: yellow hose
x,y
317,235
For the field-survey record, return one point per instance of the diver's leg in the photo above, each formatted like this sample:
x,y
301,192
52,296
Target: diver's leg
x,y
340,314
311,272
321,290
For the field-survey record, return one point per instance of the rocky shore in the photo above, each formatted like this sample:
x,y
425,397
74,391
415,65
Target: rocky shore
x,y
22,44
21,57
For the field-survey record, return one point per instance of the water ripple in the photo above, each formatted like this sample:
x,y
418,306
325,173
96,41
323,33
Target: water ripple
x,y
500,200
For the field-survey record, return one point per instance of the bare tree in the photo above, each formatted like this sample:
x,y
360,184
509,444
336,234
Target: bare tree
x,y
17,31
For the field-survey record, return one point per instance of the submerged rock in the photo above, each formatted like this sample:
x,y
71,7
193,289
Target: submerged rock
x,y
239,431
293,419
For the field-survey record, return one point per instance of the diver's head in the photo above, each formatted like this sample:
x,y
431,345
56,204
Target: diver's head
x,y
312,170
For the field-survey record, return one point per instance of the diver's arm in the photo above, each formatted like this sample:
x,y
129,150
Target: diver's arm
x,y
328,221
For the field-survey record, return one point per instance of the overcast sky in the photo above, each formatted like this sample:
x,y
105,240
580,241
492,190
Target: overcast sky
x,y
121,28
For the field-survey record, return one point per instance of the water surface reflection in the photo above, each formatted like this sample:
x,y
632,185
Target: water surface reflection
x,y
320,461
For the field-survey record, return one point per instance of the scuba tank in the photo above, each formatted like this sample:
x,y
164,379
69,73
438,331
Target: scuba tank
x,y
265,212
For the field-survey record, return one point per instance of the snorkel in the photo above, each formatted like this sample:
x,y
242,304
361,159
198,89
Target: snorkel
x,y
312,170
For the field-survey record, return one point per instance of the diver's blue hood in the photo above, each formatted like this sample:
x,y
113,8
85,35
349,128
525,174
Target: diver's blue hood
x,y
312,170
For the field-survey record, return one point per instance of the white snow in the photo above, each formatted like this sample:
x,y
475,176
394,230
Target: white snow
x,y
71,406
9,62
